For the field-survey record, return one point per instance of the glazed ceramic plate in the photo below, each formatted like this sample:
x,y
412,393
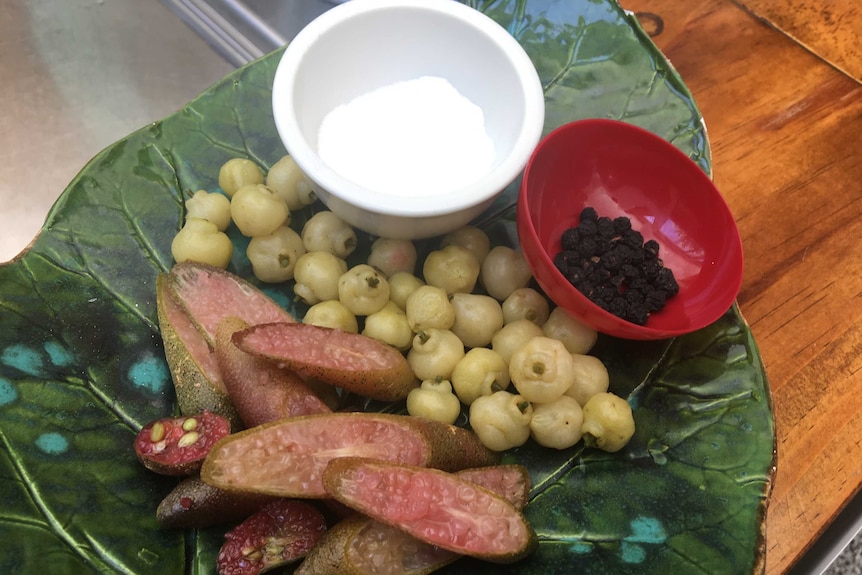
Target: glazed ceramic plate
x,y
82,366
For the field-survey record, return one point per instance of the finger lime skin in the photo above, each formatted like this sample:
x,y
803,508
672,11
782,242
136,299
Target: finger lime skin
x,y
194,504
194,372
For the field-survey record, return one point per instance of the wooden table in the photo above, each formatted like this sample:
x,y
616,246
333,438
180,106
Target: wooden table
x,y
778,83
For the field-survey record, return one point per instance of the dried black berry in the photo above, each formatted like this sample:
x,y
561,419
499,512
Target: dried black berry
x,y
611,261
619,283
651,249
624,253
587,228
570,239
618,307
639,284
604,244
638,314
633,238
588,265
588,214
605,227
576,275
667,282
636,256
588,247
610,264
602,276
606,293
634,296
630,271
622,225
655,300
561,263
651,269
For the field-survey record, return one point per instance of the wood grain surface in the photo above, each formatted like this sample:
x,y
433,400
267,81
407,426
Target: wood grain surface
x,y
784,123
829,28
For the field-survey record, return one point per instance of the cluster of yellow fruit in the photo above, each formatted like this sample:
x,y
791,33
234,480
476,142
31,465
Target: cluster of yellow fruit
x,y
470,324
259,207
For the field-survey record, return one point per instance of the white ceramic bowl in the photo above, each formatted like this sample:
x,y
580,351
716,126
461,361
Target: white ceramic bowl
x,y
362,45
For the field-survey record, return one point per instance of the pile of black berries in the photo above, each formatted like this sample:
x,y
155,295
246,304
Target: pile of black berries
x,y
608,261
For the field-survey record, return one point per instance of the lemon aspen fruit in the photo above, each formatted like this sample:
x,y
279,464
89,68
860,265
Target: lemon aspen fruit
x,y
542,370
316,275
477,318
273,257
434,353
513,336
503,271
201,241
326,232
526,303
433,399
289,183
470,237
257,211
213,207
591,377
389,325
501,420
557,424
577,336
236,173
333,314
429,307
401,285
363,290
481,371
452,268
391,256
608,422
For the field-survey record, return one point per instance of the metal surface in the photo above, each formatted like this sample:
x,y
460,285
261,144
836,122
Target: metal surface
x,y
229,27
79,75
242,31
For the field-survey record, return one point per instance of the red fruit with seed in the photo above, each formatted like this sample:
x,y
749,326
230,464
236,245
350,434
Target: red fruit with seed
x,y
281,532
178,445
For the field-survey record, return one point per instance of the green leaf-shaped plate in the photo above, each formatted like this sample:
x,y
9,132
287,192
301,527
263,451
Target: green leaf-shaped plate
x,y
82,366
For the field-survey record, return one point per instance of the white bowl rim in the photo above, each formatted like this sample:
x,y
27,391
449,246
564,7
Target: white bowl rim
x,y
506,170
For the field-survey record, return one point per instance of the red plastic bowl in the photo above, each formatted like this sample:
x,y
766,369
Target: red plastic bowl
x,y
622,170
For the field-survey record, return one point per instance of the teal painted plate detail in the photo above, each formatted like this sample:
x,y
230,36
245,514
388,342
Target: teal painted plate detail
x,y
82,366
